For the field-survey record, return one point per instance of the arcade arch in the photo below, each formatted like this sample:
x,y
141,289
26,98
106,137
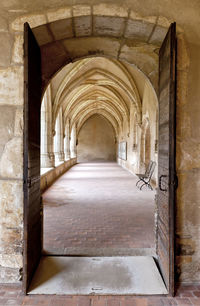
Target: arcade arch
x,y
53,61
118,92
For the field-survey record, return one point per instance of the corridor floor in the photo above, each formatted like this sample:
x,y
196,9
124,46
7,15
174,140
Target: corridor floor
x,y
95,209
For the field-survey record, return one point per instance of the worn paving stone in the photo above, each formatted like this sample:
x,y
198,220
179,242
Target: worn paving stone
x,y
11,295
97,206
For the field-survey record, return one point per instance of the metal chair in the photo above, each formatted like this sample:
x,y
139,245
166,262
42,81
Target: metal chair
x,y
146,177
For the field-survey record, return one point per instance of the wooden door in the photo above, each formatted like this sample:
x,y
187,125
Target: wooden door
x,y
32,202
166,157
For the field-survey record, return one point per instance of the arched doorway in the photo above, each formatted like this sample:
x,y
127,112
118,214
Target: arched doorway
x,y
31,142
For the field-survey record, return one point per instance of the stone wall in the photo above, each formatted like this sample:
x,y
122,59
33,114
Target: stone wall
x,y
188,162
136,162
11,154
96,141
53,174
12,16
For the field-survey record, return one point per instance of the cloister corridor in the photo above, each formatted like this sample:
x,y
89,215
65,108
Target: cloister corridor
x,y
91,93
100,117
99,127
96,209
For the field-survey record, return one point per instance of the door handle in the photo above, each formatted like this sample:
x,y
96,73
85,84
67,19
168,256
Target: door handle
x,y
160,182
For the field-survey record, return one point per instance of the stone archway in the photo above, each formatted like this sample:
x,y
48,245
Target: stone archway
x,y
51,70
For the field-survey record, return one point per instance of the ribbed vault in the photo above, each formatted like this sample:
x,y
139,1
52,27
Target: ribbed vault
x,y
96,86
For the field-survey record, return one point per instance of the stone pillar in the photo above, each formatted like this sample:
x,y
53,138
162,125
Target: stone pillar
x,y
73,150
47,156
67,142
59,139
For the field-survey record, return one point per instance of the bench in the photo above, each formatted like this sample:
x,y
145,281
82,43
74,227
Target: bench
x,y
146,177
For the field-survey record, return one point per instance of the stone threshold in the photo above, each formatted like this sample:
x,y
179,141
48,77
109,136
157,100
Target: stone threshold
x,y
70,251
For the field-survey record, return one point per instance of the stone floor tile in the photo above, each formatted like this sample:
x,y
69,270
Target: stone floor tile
x,y
63,301
195,301
60,300
134,301
113,301
183,301
84,301
196,293
37,300
99,301
11,301
97,205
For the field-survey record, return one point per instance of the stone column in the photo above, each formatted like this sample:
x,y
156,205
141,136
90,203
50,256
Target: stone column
x,y
59,138
67,142
47,156
73,150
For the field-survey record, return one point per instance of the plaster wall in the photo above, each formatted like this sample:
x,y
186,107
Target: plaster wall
x,y
96,141
186,14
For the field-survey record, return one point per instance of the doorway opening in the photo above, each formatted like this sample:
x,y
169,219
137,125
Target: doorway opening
x,y
94,114
69,118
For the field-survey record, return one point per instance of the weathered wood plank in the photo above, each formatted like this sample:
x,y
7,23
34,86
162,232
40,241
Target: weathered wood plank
x,y
166,158
32,101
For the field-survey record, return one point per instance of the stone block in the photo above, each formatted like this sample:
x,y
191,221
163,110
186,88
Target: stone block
x,y
81,10
34,20
183,60
158,35
185,247
92,46
104,9
62,29
138,30
11,86
9,275
189,269
164,22
18,130
143,56
182,88
11,260
136,16
153,77
18,52
11,219
108,26
42,35
59,14
83,26
11,239
5,49
183,129
6,125
11,163
190,185
3,24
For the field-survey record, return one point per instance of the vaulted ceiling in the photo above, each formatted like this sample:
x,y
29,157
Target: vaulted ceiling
x,y
95,85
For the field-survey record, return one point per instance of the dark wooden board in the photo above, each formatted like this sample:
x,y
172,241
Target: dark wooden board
x,y
166,157
32,199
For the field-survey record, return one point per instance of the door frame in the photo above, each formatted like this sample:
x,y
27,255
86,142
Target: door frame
x,y
171,218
